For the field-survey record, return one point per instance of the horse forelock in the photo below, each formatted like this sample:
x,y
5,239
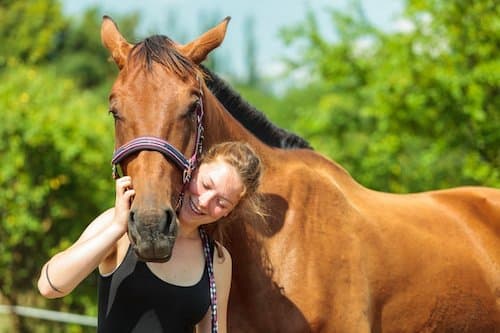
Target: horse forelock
x,y
161,50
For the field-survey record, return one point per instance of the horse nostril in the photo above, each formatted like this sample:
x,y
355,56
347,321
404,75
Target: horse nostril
x,y
169,219
132,216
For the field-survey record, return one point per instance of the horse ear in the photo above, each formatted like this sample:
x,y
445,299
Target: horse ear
x,y
198,49
114,41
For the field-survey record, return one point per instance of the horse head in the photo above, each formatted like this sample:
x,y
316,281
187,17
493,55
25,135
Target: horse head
x,y
157,96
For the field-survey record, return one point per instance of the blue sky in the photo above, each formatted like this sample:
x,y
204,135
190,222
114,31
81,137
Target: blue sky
x,y
269,15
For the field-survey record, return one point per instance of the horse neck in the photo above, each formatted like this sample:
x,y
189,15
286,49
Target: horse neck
x,y
221,126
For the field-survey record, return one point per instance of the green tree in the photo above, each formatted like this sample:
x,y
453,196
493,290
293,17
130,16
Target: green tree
x,y
35,32
80,54
27,31
407,111
55,177
251,51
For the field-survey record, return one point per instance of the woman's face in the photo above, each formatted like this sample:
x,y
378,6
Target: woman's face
x,y
214,191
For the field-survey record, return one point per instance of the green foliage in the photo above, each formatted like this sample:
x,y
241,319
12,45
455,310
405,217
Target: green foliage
x,y
28,30
35,32
55,143
406,111
80,54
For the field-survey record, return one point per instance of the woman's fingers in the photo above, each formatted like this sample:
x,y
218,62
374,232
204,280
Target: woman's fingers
x,y
128,196
124,192
124,196
122,184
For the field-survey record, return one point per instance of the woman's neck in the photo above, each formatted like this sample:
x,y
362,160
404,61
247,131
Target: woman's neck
x,y
188,232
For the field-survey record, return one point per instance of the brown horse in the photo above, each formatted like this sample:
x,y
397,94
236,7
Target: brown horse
x,y
334,255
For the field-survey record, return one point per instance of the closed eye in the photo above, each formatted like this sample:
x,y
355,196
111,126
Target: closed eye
x,y
222,204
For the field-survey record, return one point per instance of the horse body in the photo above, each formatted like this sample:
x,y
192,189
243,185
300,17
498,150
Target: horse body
x,y
357,260
333,255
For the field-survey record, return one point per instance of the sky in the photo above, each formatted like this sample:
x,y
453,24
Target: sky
x,y
156,16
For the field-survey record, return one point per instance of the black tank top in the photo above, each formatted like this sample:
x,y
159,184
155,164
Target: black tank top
x,y
133,299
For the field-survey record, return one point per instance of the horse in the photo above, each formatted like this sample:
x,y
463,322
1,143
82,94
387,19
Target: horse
x,y
333,255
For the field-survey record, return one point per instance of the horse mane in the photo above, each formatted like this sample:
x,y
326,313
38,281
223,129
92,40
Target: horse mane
x,y
251,118
160,49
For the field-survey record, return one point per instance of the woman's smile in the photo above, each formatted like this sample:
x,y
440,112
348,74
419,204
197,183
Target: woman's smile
x,y
195,208
212,193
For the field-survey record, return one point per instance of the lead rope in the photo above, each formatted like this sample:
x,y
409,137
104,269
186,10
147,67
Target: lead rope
x,y
213,291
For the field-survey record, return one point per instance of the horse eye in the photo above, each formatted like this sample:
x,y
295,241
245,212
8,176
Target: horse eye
x,y
114,113
192,108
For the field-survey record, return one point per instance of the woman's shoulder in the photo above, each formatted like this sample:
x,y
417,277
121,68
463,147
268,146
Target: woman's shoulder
x,y
221,255
222,271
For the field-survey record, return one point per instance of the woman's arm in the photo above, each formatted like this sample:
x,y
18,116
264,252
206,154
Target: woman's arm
x,y
64,271
222,274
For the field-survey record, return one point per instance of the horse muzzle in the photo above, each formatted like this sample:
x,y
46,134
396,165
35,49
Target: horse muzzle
x,y
152,234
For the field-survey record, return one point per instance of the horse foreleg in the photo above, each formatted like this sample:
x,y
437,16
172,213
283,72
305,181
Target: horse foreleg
x,y
352,308
351,296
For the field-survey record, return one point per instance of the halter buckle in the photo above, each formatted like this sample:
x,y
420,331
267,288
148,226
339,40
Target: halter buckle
x,y
186,174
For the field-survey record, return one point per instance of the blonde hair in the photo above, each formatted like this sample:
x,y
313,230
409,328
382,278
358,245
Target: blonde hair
x,y
248,166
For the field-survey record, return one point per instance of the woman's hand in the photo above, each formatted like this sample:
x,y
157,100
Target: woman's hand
x,y
124,196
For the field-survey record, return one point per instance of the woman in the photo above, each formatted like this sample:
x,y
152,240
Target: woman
x,y
163,297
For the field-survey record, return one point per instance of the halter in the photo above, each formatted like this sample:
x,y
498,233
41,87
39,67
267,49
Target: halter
x,y
187,166
169,151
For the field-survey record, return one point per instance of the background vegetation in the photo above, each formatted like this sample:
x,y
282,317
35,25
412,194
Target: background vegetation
x,y
402,111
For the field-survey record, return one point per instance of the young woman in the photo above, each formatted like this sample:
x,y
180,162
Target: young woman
x,y
135,296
